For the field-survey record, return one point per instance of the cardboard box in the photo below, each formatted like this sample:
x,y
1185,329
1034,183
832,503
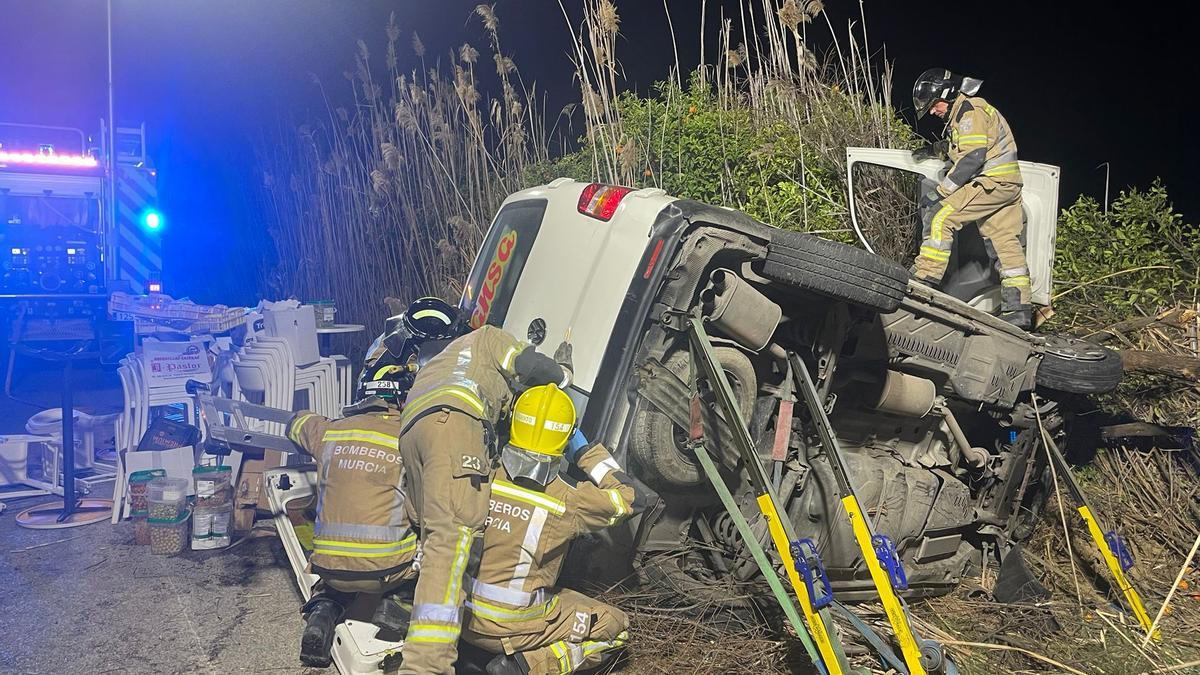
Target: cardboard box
x,y
249,496
298,327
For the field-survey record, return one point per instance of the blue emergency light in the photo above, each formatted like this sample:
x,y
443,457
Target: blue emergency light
x,y
152,220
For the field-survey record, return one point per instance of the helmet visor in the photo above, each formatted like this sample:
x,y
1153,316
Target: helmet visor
x,y
533,466
924,95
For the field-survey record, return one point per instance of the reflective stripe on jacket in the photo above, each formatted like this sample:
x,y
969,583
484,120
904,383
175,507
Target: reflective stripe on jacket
x,y
361,525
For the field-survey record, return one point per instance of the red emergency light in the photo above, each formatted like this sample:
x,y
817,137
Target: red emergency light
x,y
48,159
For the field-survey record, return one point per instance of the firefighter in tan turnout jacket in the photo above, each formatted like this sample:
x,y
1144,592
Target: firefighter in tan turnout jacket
x,y
362,541
982,185
515,609
446,444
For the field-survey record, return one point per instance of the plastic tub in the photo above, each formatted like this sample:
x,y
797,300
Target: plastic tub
x,y
169,536
210,527
167,498
141,529
139,489
214,486
324,311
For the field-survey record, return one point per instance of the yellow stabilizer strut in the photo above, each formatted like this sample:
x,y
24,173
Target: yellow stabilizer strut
x,y
1114,566
816,623
896,614
1094,530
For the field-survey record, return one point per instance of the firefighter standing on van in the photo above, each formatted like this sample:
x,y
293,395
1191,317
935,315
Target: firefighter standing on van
x,y
446,444
982,184
362,542
514,608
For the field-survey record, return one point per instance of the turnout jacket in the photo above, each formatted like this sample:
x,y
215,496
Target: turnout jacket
x,y
527,536
471,375
981,144
361,530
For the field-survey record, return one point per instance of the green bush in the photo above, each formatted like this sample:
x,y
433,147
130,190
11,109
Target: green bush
x,y
696,145
1134,259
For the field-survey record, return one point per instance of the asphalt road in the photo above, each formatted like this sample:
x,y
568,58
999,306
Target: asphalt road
x,y
87,600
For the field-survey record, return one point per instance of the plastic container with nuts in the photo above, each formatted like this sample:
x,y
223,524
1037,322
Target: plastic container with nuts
x,y
169,536
167,498
214,486
139,489
210,527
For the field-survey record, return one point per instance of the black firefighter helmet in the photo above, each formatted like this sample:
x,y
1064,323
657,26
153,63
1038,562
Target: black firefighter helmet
x,y
939,84
408,341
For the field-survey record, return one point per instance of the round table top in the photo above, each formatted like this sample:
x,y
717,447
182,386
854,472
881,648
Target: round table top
x,y
342,328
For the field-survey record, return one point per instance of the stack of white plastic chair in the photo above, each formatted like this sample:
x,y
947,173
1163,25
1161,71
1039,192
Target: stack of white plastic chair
x,y
266,373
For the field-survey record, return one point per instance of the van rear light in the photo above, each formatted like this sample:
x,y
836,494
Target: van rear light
x,y
601,201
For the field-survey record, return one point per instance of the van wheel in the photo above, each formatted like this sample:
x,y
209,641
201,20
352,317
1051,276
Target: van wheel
x,y
1078,366
835,270
660,446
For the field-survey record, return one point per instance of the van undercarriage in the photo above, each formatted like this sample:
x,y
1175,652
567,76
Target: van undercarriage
x,y
933,404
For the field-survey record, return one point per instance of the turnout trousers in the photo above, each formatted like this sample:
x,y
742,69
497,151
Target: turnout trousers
x,y
996,207
583,634
447,463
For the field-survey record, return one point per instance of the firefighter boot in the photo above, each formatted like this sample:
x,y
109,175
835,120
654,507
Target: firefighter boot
x,y
1013,311
924,280
324,613
1021,318
503,664
394,614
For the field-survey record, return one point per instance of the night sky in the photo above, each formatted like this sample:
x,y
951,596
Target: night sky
x,y
1079,85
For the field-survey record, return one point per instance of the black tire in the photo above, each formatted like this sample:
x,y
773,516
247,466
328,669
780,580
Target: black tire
x,y
1078,367
835,270
657,443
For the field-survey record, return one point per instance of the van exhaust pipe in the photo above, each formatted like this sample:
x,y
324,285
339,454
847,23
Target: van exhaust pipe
x,y
739,310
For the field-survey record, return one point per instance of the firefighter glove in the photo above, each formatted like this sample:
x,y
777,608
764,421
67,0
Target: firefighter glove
x,y
929,198
562,355
575,446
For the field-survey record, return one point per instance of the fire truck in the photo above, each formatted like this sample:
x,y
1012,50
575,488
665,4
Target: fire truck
x,y
73,228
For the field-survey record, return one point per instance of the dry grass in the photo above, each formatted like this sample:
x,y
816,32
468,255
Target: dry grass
x,y
669,641
765,72
1151,497
389,196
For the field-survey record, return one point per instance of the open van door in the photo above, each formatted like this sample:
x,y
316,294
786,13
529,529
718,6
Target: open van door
x,y
1040,197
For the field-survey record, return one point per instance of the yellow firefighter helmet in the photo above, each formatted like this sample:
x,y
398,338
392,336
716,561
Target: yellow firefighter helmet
x,y
542,420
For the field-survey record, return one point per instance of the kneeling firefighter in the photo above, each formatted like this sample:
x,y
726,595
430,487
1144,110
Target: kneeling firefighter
x,y
514,608
362,541
447,444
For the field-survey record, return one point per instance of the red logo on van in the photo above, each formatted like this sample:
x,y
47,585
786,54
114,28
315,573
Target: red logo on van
x,y
495,272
